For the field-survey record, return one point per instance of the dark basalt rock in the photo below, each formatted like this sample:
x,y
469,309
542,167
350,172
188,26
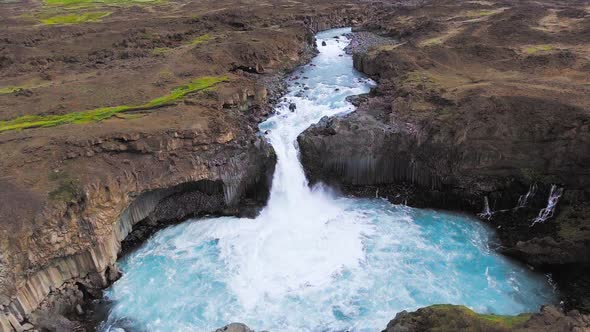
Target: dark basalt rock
x,y
235,327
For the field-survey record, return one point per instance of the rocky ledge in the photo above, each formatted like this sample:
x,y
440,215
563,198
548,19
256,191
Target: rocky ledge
x,y
480,107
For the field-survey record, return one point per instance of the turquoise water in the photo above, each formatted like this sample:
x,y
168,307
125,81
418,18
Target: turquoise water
x,y
313,260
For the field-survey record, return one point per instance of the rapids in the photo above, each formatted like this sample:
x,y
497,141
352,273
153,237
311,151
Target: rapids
x,y
313,260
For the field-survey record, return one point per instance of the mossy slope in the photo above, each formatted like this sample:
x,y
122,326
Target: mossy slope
x,y
99,114
448,317
93,3
9,89
75,18
201,39
12,89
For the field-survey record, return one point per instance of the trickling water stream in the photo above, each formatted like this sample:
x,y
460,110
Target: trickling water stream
x,y
313,261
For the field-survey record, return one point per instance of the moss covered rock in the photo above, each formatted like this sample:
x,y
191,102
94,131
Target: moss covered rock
x,y
447,317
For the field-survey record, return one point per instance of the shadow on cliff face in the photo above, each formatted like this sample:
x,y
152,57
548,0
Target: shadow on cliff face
x,y
160,208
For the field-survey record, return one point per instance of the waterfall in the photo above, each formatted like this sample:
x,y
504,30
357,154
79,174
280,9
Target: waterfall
x,y
522,200
487,212
299,219
549,210
314,260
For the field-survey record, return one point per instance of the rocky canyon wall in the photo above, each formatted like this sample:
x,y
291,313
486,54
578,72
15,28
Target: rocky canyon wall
x,y
468,119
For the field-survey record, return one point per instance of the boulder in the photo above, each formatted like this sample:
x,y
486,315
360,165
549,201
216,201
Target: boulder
x,y
235,327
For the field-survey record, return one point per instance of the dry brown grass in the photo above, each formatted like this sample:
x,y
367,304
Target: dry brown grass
x,y
483,3
439,40
552,23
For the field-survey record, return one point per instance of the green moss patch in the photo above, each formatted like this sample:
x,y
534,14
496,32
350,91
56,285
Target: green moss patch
x,y
180,92
483,319
99,114
504,320
539,48
201,39
95,3
68,11
12,89
75,18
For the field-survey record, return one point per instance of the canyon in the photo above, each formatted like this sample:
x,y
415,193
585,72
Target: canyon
x,y
459,117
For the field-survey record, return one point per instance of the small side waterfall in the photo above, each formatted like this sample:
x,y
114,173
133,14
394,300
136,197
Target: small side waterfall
x,y
522,200
487,212
552,201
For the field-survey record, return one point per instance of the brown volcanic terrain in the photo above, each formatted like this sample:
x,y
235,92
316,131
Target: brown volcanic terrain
x,y
484,95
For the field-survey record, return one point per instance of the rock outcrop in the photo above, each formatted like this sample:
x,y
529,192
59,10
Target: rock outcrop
x,y
234,327
459,318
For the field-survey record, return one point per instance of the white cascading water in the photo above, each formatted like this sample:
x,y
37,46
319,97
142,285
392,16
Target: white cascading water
x,y
524,199
547,212
314,261
487,212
